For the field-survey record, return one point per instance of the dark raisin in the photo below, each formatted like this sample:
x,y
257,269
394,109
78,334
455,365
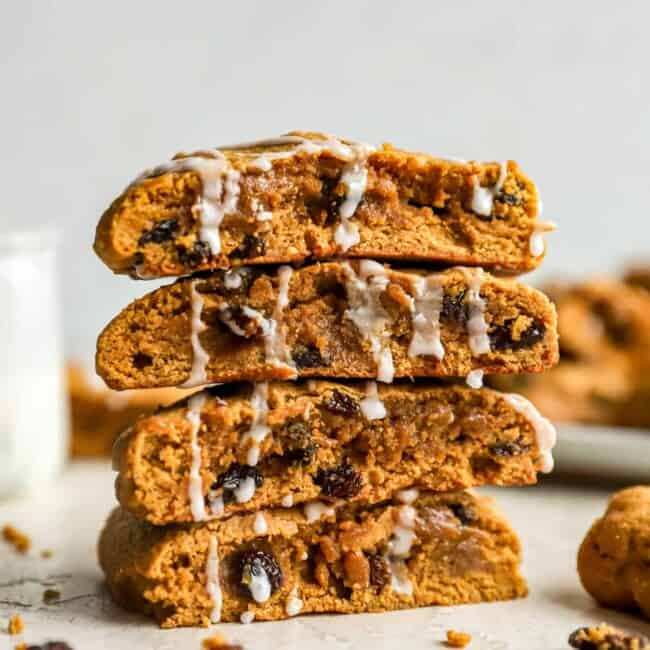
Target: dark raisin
x,y
342,482
379,571
138,258
195,256
507,448
617,327
308,357
501,336
464,513
161,232
341,404
255,563
436,210
141,360
51,645
299,447
510,199
239,323
454,309
251,246
234,476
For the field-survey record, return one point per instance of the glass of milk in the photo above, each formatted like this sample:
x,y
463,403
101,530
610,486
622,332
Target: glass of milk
x,y
33,399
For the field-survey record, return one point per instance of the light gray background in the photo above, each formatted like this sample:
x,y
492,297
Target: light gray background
x,y
91,93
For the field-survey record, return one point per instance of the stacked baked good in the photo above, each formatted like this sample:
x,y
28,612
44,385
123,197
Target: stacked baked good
x,y
325,469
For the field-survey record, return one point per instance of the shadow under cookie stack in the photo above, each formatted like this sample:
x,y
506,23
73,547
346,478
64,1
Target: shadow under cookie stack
x,y
325,464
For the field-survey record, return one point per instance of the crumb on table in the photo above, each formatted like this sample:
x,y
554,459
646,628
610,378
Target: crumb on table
x,y
606,637
16,625
218,642
16,538
47,553
51,596
457,639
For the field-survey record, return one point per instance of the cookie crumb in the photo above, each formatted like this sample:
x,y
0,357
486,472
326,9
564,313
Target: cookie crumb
x,y
217,642
20,646
50,645
47,553
51,596
606,637
457,639
16,538
16,625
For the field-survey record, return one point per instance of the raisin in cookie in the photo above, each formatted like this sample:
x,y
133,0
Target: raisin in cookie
x,y
338,319
614,558
439,549
238,448
310,196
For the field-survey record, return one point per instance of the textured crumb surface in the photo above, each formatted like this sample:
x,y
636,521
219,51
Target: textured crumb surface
x,y
444,549
19,540
607,637
150,344
321,446
614,558
98,415
604,372
414,207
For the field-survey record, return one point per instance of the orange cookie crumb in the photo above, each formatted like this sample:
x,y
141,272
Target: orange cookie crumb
x,y
16,625
458,639
16,538
217,642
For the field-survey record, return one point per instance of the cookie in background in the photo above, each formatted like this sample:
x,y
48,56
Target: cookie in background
x,y
98,414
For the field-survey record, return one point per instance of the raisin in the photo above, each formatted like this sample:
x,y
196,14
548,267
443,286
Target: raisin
x,y
324,207
465,514
195,256
51,645
342,482
510,199
239,323
251,246
341,404
507,448
308,357
379,571
501,336
300,448
254,563
454,309
138,258
141,360
161,232
436,210
233,477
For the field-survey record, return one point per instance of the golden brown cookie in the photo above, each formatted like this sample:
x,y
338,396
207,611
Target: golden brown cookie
x,y
310,196
441,549
338,319
239,448
638,276
614,558
98,415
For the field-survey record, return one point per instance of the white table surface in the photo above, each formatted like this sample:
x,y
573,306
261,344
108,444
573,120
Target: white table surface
x,y
66,518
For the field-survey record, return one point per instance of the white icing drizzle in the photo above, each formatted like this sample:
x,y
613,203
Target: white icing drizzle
x,y
475,379
259,525
483,197
247,617
315,510
399,548
224,310
216,503
544,429
259,428
425,314
293,605
536,244
366,312
477,329
260,213
195,485
259,585
371,405
200,357
245,491
399,579
232,279
407,496
212,580
287,501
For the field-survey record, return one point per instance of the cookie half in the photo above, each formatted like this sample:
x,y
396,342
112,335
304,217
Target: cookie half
x,y
338,319
439,549
311,196
239,448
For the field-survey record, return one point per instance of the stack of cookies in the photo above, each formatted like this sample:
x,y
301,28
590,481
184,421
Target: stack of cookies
x,y
325,467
